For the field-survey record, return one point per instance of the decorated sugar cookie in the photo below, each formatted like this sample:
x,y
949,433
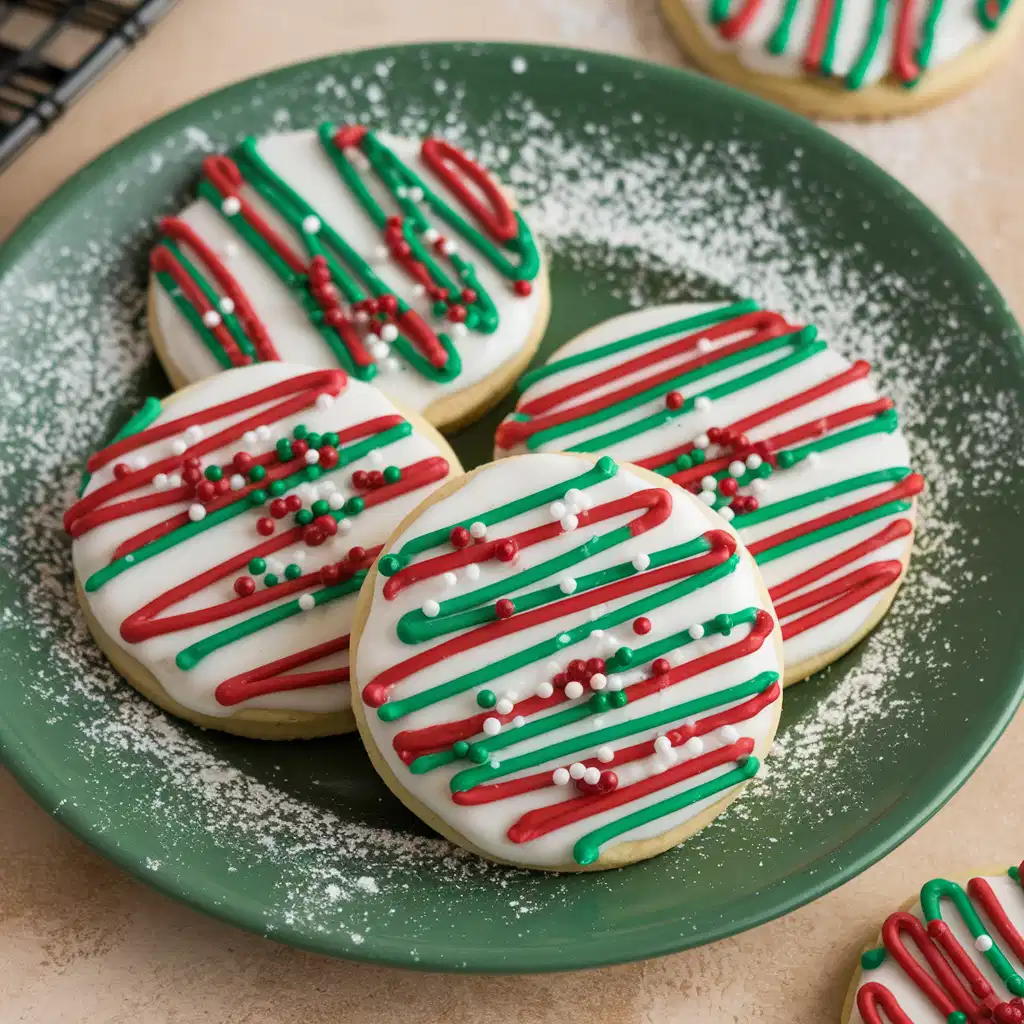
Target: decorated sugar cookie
x,y
847,58
404,263
220,541
565,663
953,957
780,434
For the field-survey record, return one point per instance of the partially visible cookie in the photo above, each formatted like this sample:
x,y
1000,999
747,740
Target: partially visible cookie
x,y
953,956
779,433
564,663
402,262
221,539
847,58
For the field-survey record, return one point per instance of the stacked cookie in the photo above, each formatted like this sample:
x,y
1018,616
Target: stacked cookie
x,y
567,658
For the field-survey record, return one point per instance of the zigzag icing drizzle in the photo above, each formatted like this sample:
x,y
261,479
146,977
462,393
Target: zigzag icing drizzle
x,y
860,42
402,264
956,958
768,425
561,657
186,515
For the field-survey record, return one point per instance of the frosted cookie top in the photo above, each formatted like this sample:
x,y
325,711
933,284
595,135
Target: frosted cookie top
x,y
401,262
222,537
955,957
561,656
780,434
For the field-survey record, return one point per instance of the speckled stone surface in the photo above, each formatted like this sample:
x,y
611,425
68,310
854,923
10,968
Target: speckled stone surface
x,y
81,942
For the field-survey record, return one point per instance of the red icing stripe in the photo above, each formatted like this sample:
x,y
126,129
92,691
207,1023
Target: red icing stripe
x,y
982,893
723,545
873,998
819,36
738,23
904,66
268,679
494,214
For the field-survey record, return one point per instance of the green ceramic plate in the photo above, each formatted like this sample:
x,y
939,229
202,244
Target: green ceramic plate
x,y
649,185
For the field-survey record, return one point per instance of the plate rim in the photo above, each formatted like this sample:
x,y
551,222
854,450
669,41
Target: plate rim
x,y
655,938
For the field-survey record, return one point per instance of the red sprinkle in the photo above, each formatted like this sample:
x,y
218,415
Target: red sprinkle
x,y
279,508
728,486
293,502
660,666
244,586
265,525
523,288
642,626
121,470
674,400
506,550
504,608
459,537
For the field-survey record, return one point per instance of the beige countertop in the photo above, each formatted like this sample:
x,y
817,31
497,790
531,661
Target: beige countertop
x,y
82,942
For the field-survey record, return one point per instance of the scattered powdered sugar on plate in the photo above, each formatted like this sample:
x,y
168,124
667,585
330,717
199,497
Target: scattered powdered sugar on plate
x,y
686,220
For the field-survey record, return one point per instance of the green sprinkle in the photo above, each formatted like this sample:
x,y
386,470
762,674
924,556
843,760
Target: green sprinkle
x,y
600,701
331,438
697,456
606,466
618,698
486,699
392,474
389,565
1014,873
257,498
257,473
624,656
684,462
277,488
957,1017
786,459
304,517
313,440
321,507
460,748
257,566
312,473
292,572
214,473
478,754
354,506
440,308
284,449
270,580
300,431
872,958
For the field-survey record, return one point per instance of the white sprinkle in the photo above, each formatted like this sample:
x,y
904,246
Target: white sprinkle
x,y
477,530
708,497
557,510
472,572
702,441
759,486
492,726
211,318
708,483
415,193
577,770
379,350
226,305
567,585
311,224
344,525
754,461
574,689
237,481
160,481
597,633
194,434
230,205
249,438
504,706
641,561
196,513
737,468
696,631
704,345
575,495
174,480
563,639
592,776
375,457
311,457
431,609
518,722
598,681
983,943
448,247
336,500
728,734
263,433
178,446
605,754
694,746
460,329
663,745
324,401
431,235
569,523
307,602
560,777
544,689
518,66
450,579
614,683
389,333
702,402
726,513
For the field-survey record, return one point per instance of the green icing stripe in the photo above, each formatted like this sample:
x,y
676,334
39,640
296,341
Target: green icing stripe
x,y
222,515
857,74
485,773
883,423
191,656
691,323
924,51
829,56
588,849
720,624
546,648
780,508
719,11
991,22
933,892
804,349
195,321
151,408
779,39
476,608
604,469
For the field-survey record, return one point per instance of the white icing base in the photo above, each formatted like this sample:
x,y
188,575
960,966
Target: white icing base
x,y
913,1001
485,826
877,451
131,590
299,159
957,30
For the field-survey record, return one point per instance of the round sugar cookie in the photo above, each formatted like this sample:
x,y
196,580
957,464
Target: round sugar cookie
x,y
221,538
952,956
403,262
567,664
855,59
779,433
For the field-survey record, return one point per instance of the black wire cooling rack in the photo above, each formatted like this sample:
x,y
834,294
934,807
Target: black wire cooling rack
x,y
51,50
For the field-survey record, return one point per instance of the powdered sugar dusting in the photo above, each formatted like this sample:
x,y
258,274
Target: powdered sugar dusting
x,y
682,221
